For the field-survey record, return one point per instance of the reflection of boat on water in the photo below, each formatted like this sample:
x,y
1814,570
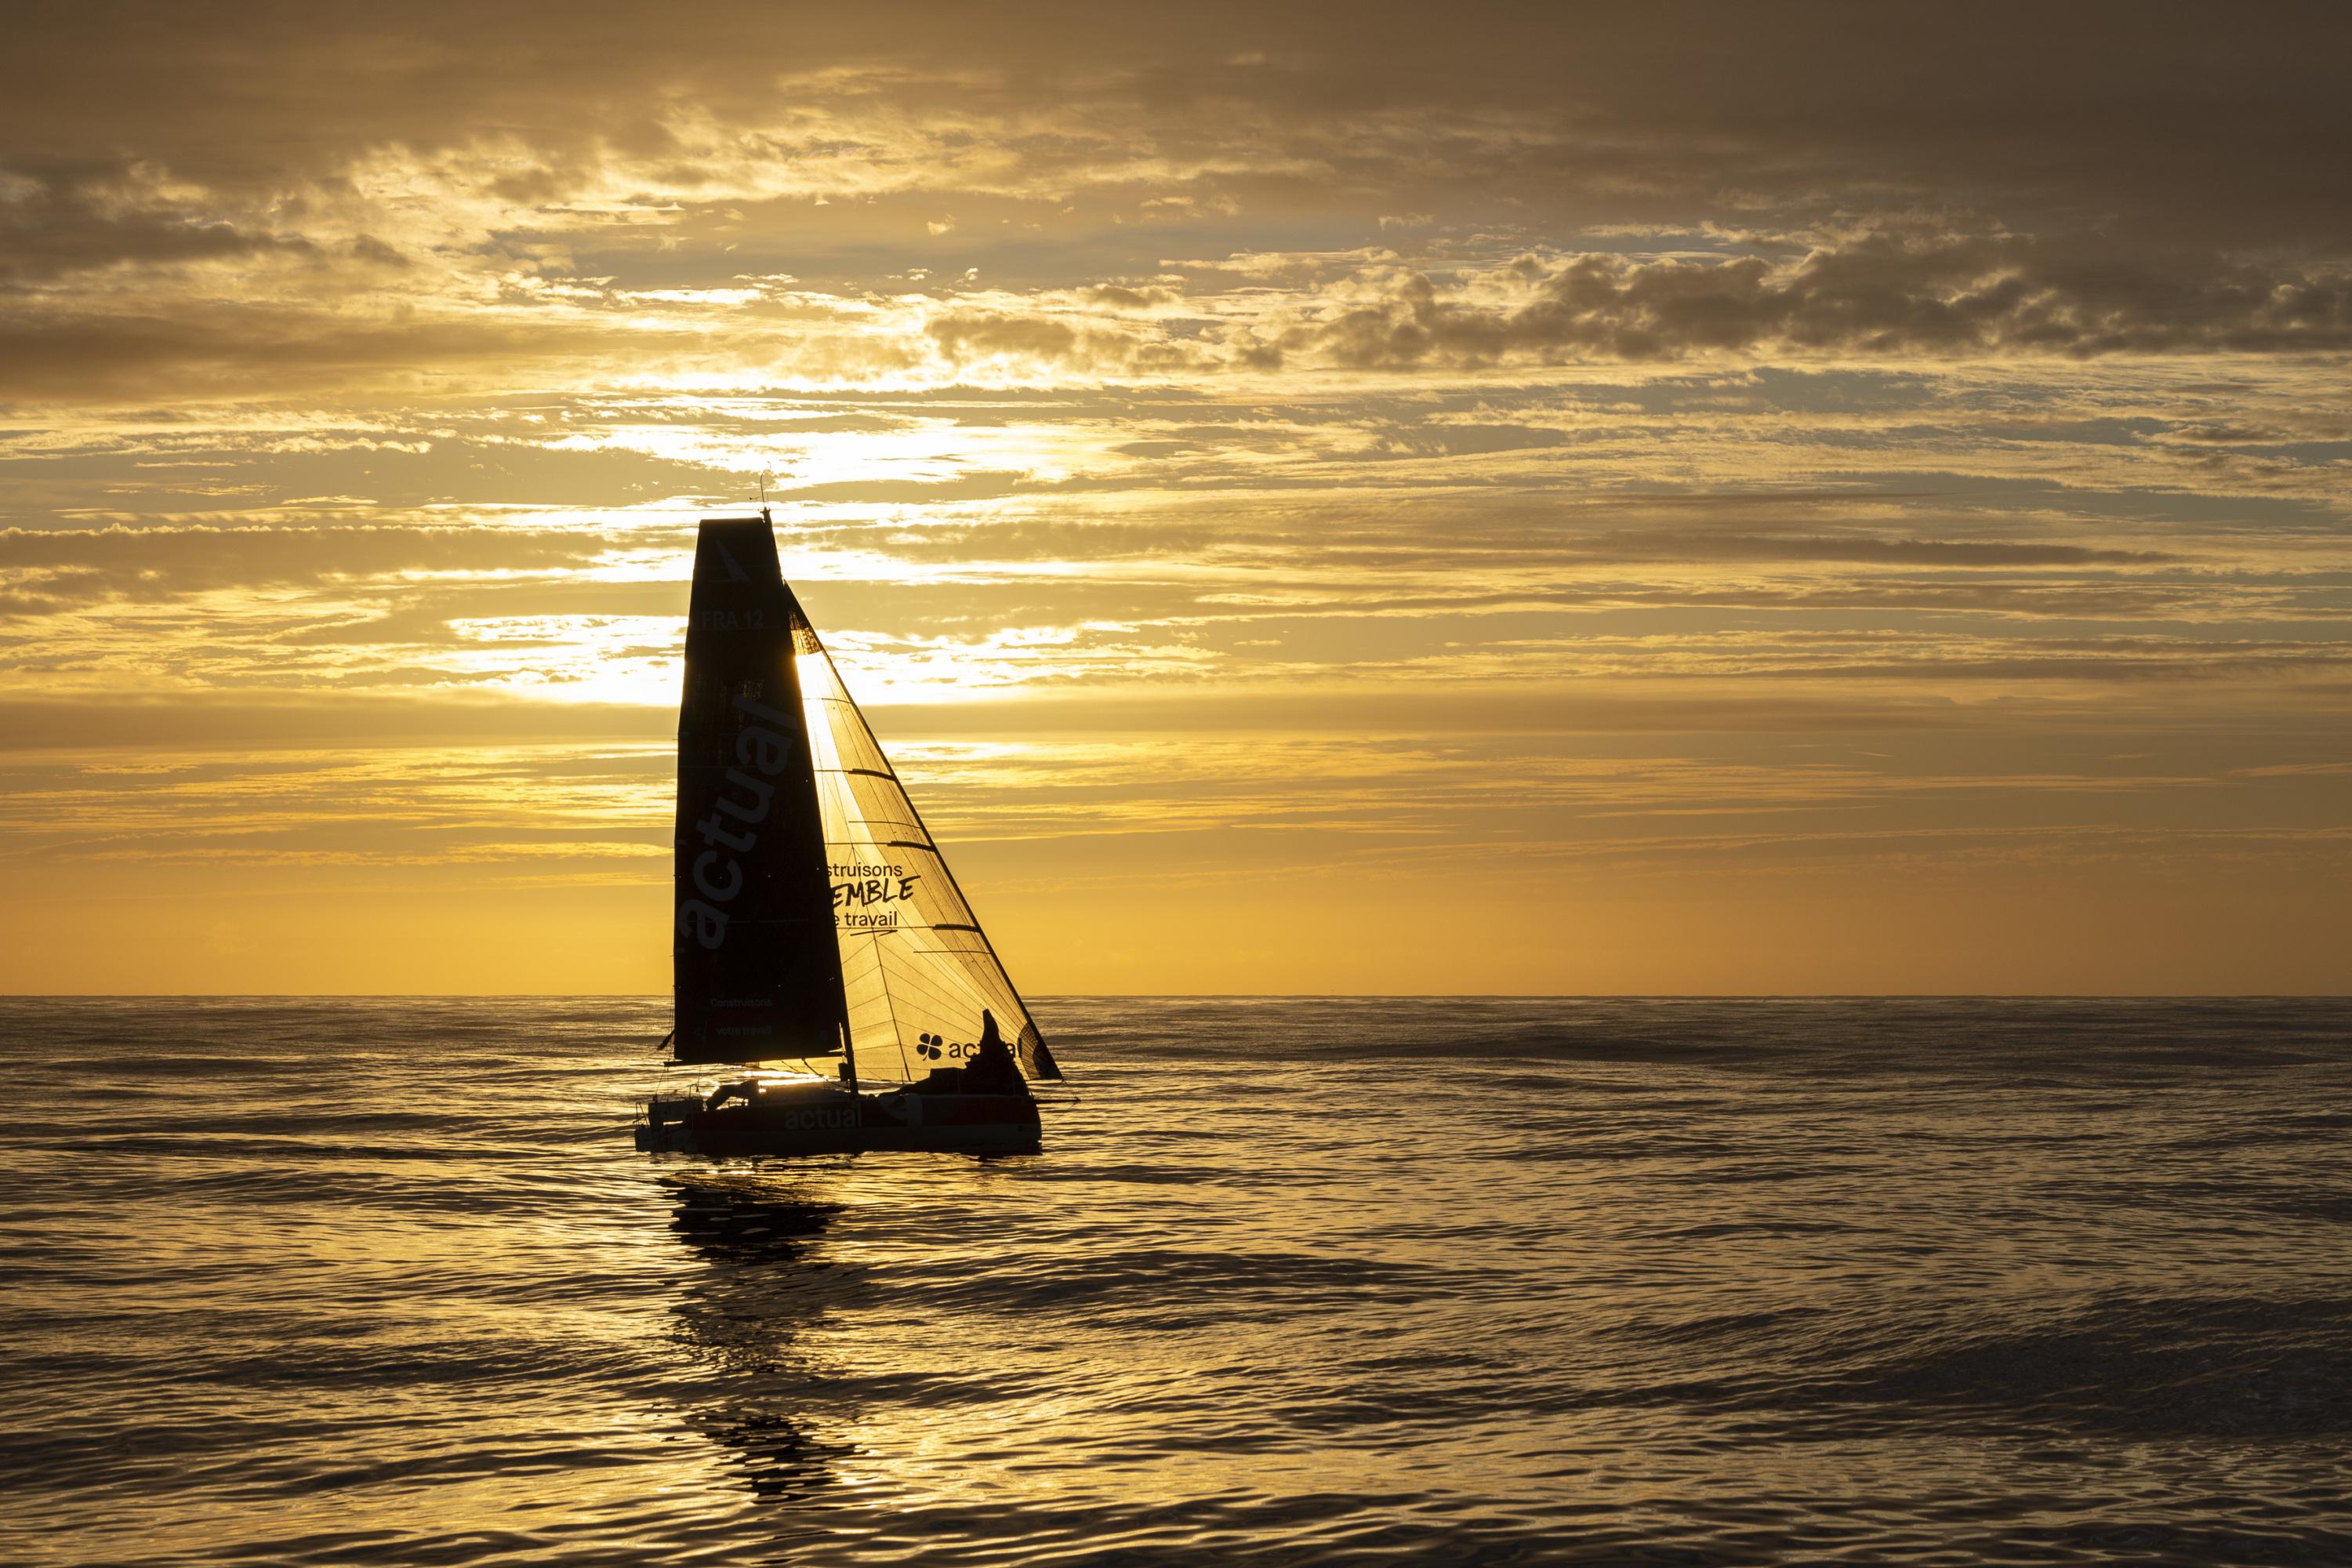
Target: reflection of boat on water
x,y
736,1222
759,1288
822,947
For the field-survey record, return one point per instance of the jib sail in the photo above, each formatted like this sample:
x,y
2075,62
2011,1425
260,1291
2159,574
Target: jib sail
x,y
756,967
916,967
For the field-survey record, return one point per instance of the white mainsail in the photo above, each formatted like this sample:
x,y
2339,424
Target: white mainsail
x,y
915,966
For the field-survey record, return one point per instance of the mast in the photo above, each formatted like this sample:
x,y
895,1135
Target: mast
x,y
756,966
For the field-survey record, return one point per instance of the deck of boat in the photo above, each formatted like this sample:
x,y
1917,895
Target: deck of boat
x,y
820,1120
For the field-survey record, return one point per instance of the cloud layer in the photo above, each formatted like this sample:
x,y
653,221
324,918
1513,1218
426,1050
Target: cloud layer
x,y
1634,462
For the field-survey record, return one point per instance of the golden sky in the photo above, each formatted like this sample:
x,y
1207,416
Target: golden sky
x,y
1357,499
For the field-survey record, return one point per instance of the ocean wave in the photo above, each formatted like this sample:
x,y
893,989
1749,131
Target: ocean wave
x,y
1308,1281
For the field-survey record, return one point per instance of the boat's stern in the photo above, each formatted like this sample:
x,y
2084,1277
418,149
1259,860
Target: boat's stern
x,y
665,1129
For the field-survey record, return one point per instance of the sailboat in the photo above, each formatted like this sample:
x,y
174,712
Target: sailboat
x,y
822,950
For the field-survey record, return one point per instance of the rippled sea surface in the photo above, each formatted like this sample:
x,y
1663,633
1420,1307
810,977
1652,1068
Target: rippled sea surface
x,y
357,1282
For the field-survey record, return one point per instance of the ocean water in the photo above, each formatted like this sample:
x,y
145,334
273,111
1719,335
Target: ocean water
x,y
1297,1282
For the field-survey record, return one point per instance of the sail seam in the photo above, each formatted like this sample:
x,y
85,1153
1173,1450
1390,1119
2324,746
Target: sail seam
x,y
889,1003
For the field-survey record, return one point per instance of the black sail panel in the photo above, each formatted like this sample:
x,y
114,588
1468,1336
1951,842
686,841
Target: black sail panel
x,y
756,965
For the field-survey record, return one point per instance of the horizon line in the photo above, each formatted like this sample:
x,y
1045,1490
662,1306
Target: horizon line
x,y
1239,996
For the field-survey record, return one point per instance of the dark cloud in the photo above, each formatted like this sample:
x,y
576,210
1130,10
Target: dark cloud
x,y
1878,295
55,221
2063,600
1467,440
254,348
1119,297
202,721
2135,659
967,336
53,568
1717,545
2146,122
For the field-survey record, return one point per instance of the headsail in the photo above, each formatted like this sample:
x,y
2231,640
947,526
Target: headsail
x,y
757,972
916,967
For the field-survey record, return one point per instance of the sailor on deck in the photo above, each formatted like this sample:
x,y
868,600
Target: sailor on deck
x,y
990,1068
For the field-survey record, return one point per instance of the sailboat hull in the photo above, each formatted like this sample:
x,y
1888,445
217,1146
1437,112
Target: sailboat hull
x,y
843,1123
